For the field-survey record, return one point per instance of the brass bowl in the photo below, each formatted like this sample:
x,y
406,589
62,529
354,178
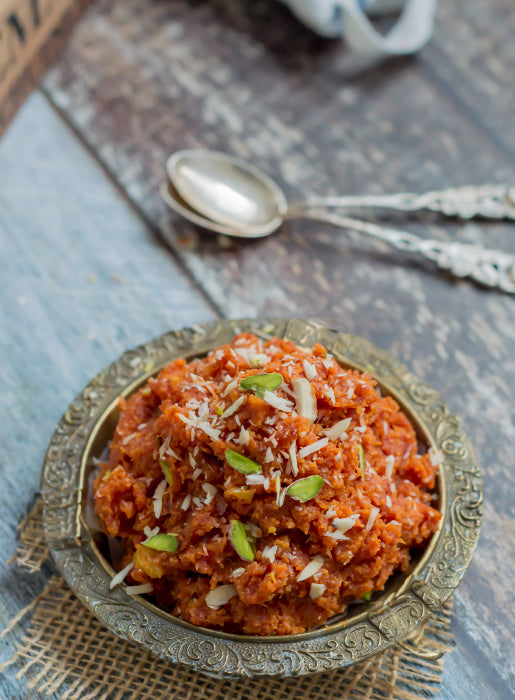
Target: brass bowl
x,y
392,617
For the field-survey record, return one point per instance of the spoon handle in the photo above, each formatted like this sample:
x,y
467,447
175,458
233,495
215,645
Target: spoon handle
x,y
485,201
492,268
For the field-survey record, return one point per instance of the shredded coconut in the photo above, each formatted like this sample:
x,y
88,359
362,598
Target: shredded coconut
x,y
238,572
278,402
269,457
390,463
187,502
309,370
233,407
244,436
210,492
128,438
254,479
269,553
435,456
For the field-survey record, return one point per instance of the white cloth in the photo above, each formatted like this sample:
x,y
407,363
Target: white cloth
x,y
348,19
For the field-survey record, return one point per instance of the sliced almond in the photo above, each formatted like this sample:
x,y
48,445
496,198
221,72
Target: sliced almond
x,y
305,399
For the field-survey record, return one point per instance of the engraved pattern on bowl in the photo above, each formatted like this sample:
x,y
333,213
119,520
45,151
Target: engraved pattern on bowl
x,y
400,611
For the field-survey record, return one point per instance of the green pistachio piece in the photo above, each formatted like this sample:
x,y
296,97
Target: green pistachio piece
x,y
241,463
163,543
305,489
259,383
362,461
240,541
166,472
367,596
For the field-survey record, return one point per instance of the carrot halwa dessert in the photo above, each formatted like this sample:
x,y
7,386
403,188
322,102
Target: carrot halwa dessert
x,y
262,488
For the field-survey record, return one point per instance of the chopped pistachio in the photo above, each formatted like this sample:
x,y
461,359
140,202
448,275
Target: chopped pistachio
x,y
166,471
240,541
241,463
362,461
219,411
163,543
106,475
149,366
367,596
305,489
259,383
146,391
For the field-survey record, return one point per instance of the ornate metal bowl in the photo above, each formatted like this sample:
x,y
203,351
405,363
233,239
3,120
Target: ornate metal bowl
x,y
396,614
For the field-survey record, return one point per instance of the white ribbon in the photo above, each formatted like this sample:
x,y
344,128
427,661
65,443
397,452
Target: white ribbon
x,y
333,18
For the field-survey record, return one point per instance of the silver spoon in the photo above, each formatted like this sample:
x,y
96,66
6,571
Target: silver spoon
x,y
489,267
230,191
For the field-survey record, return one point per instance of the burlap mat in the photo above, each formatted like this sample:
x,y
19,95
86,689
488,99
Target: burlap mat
x,y
65,650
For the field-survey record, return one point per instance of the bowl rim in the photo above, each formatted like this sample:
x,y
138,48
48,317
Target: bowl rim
x,y
393,618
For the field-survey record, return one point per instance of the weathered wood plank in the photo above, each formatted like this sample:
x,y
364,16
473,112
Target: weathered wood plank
x,y
140,80
82,281
473,56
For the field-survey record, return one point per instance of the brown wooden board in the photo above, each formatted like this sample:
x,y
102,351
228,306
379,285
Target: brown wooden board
x,y
31,34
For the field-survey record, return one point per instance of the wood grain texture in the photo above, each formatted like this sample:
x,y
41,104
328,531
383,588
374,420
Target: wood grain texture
x,y
143,78
83,280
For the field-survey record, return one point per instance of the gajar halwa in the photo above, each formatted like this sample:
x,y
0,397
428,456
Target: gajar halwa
x,y
262,488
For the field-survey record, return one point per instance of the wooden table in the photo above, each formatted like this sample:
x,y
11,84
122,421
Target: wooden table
x,y
87,274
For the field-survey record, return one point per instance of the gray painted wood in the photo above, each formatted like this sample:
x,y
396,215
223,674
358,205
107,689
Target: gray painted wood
x,y
142,78
82,281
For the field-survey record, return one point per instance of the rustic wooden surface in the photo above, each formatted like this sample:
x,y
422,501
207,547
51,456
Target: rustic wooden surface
x,y
143,78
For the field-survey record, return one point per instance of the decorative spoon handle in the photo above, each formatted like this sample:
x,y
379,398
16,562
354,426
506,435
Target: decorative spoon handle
x,y
485,201
492,268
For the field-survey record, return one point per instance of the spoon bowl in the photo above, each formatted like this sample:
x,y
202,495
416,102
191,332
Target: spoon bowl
x,y
227,190
174,200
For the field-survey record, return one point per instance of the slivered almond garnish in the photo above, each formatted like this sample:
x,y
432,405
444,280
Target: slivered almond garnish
x,y
336,535
233,407
139,590
293,458
371,518
220,596
305,399
314,447
316,590
338,430
344,524
311,569
120,576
